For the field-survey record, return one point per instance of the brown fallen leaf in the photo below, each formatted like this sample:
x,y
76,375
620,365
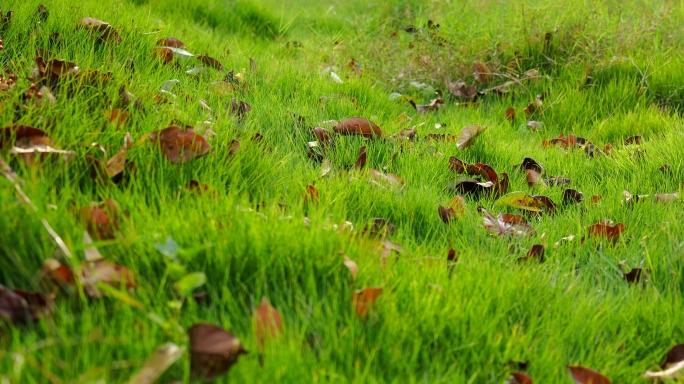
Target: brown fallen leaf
x,y
506,224
547,204
463,91
361,159
610,232
666,198
510,113
106,33
267,323
56,276
666,168
238,109
358,126
468,134
582,375
674,355
364,300
529,163
93,273
481,72
454,209
534,178
434,105
636,274
101,219
180,146
164,54
117,117
634,140
22,307
536,252
323,136
9,135
388,178
213,350
210,62
572,196
312,195
519,378
171,42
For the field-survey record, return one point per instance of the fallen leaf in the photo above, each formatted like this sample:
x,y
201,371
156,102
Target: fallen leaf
x,y
453,209
572,196
636,274
506,224
606,230
530,164
557,181
9,135
379,228
22,307
171,42
117,116
358,126
434,105
238,110
666,197
510,113
93,273
164,356
361,159
534,178
58,275
535,125
463,91
213,350
106,33
364,300
595,199
536,252
468,134
666,168
164,54
210,62
267,323
520,200
546,201
582,375
101,219
312,195
481,72
351,265
389,178
180,146
518,378
676,371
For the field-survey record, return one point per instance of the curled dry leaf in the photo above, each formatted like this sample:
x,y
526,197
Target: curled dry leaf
x,y
101,219
548,204
434,105
610,232
180,146
536,252
463,91
56,275
361,159
11,134
213,350
454,209
529,163
106,33
582,375
468,134
351,265
519,378
238,109
162,358
323,136
364,300
506,224
358,126
595,199
22,307
571,141
312,195
557,181
267,323
171,42
520,200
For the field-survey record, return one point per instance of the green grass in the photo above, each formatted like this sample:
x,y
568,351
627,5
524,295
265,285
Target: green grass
x,y
428,325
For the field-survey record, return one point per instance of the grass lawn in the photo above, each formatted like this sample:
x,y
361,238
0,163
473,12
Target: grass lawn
x,y
191,226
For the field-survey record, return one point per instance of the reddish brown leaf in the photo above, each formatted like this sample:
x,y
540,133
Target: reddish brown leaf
x,y
510,113
666,168
116,116
548,204
9,135
468,134
323,136
21,307
210,62
358,126
364,299
519,378
433,106
457,165
312,195
101,219
466,185
454,209
171,42
506,224
213,350
610,232
267,323
57,275
536,252
106,32
180,146
530,164
582,375
361,160
533,178
164,54
239,109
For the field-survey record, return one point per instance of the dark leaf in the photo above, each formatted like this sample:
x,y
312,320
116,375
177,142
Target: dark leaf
x,y
510,113
557,181
536,252
213,350
454,209
468,134
463,91
549,205
634,140
530,164
467,185
636,274
180,146
572,196
240,109
101,219
674,355
164,54
22,307
210,62
533,178
582,375
42,13
358,126
361,160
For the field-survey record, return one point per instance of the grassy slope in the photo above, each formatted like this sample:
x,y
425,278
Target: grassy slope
x,y
573,309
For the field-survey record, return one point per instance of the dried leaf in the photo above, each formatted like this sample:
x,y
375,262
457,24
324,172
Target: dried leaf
x,y
164,54
358,126
510,113
533,178
582,375
240,109
636,274
171,42
105,32
312,195
361,159
463,91
379,228
210,62
468,134
518,378
180,146
267,323
213,350
94,273
351,265
364,300
572,196
454,209
101,219
536,252
481,72
530,164
22,307
506,224
610,232
164,356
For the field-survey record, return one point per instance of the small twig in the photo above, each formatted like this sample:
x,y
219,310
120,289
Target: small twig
x,y
12,177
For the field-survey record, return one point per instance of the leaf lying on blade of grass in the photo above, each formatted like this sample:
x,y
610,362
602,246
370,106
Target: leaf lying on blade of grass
x,y
520,200
506,224
213,350
361,159
582,375
468,134
518,378
610,232
101,219
572,196
93,273
358,126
